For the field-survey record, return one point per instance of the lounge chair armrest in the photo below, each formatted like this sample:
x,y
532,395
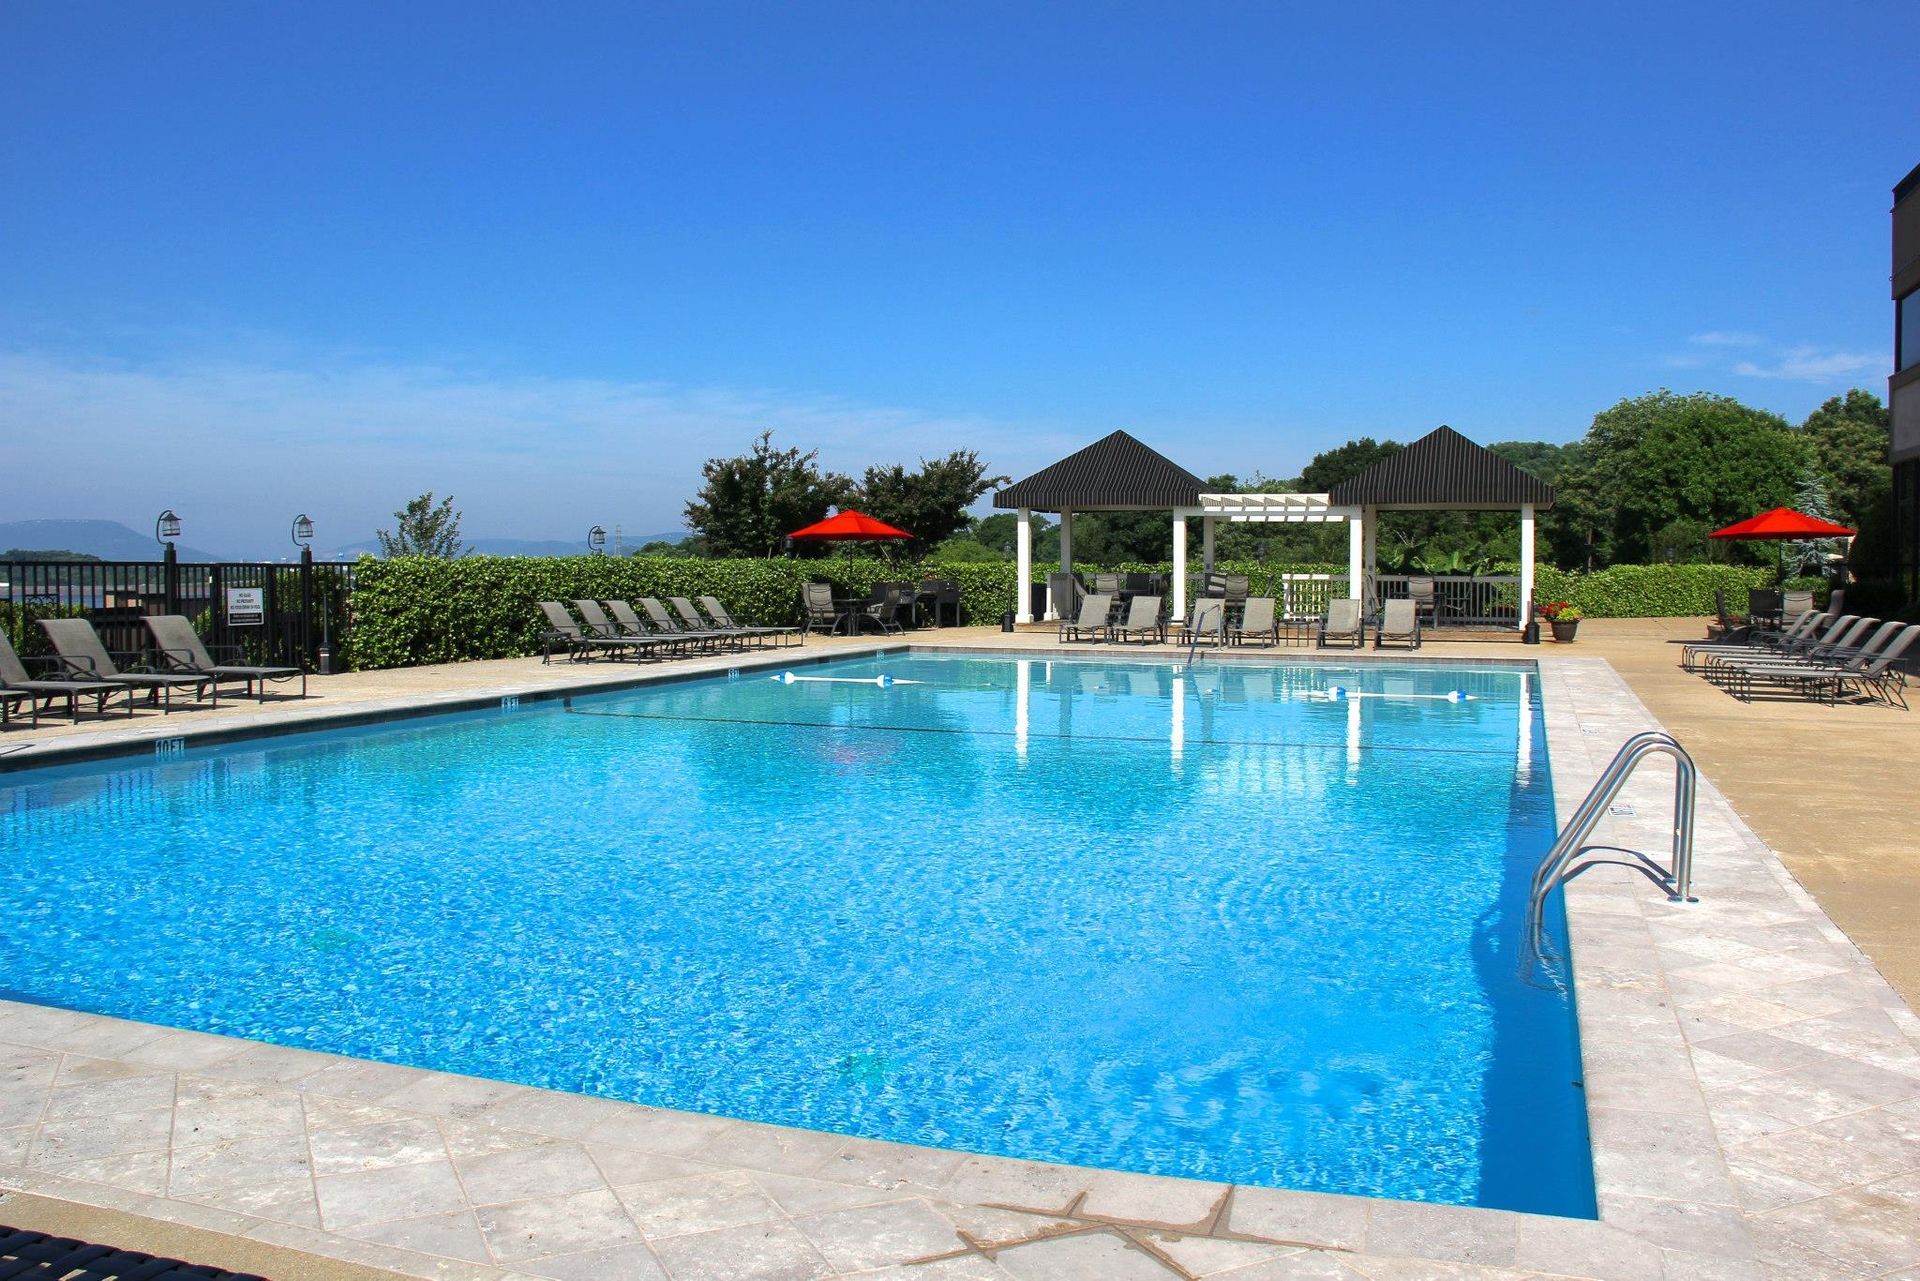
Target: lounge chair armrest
x,y
71,665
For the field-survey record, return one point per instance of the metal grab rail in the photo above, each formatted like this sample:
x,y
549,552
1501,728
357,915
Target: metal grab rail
x,y
1558,867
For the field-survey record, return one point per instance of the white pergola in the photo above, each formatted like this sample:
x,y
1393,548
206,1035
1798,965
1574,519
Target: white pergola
x,y
1443,471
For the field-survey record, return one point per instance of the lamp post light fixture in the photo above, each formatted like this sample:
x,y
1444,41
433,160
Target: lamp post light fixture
x,y
167,527
302,531
597,540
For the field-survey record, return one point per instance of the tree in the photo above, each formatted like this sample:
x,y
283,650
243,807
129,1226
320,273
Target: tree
x,y
1664,457
997,534
424,529
29,553
750,504
931,504
1849,438
1809,556
1331,466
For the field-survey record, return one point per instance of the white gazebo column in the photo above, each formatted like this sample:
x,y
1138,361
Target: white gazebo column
x,y
1206,544
1526,561
1370,523
1179,563
1058,608
1023,565
1356,553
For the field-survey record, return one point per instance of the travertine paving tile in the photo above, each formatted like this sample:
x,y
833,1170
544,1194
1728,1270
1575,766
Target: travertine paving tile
x,y
774,1251
871,1236
522,1230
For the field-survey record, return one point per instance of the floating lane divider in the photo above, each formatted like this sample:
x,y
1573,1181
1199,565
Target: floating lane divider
x,y
1339,692
788,678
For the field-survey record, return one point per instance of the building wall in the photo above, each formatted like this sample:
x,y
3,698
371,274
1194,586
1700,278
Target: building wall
x,y
1903,389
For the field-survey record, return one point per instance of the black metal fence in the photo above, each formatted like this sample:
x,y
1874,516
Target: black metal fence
x,y
294,613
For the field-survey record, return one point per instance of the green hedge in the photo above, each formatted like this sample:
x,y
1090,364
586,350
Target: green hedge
x,y
415,610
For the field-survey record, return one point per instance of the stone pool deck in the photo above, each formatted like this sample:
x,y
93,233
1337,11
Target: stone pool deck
x,y
1753,1085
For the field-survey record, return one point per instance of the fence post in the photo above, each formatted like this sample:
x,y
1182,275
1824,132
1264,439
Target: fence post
x,y
272,632
170,592
306,606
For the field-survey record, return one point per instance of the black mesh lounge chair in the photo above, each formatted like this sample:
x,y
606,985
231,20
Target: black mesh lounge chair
x,y
724,621
1399,622
1874,672
1205,623
630,626
181,650
1258,623
15,679
9,698
694,621
1142,623
83,657
664,622
41,1257
1090,624
635,642
1809,631
1342,624
1856,648
564,635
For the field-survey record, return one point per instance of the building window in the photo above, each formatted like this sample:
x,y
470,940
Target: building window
x,y
1907,331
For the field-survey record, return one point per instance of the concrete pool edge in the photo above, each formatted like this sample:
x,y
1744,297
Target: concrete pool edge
x,y
1670,1205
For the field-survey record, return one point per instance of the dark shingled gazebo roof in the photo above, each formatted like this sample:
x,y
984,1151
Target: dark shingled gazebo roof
x,y
1443,469
1117,472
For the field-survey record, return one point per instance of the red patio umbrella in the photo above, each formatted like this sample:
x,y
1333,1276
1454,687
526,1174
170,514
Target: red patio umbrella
x,y
1782,524
849,527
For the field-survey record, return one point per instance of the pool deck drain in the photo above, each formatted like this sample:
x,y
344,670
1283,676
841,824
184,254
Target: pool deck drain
x,y
1753,1086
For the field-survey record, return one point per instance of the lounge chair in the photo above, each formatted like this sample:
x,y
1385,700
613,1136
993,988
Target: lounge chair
x,y
1342,623
632,627
8,698
1805,633
1206,622
665,624
564,635
1399,621
181,650
82,656
1091,623
1856,644
1257,620
1142,622
697,625
15,679
1873,671
724,621
637,641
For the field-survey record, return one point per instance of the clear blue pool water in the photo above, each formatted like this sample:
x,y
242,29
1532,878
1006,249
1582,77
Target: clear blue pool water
x,y
1216,924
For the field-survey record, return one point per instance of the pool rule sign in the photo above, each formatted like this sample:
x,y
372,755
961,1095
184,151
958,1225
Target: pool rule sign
x,y
246,606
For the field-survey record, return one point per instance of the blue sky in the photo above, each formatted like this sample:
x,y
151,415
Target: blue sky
x,y
257,259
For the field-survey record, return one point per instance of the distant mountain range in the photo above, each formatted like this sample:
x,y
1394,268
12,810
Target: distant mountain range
x,y
107,539
111,540
512,546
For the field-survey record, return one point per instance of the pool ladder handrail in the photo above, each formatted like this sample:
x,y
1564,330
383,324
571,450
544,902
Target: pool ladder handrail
x,y
1559,867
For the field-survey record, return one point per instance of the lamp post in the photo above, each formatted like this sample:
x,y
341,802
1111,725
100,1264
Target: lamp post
x,y
597,541
166,528
302,535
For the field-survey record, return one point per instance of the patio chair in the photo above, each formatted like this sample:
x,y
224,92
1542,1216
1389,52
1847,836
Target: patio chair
x,y
1090,624
15,679
1425,595
1400,622
884,611
822,613
1342,623
1257,620
718,613
181,650
1728,628
1205,622
1142,622
82,655
1108,584
1794,604
1065,593
1763,606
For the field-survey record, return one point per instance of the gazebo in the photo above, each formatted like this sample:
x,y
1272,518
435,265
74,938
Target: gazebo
x,y
1443,470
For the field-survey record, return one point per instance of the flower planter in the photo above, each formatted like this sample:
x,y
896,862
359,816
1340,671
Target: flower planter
x,y
1564,632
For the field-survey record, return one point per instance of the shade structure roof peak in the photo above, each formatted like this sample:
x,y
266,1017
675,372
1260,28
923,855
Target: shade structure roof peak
x,y
1116,472
1443,469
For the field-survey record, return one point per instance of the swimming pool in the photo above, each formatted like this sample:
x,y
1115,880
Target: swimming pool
x,y
1247,922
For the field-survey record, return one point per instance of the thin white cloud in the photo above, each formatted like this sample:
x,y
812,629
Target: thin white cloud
x,y
1811,364
1726,338
238,448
